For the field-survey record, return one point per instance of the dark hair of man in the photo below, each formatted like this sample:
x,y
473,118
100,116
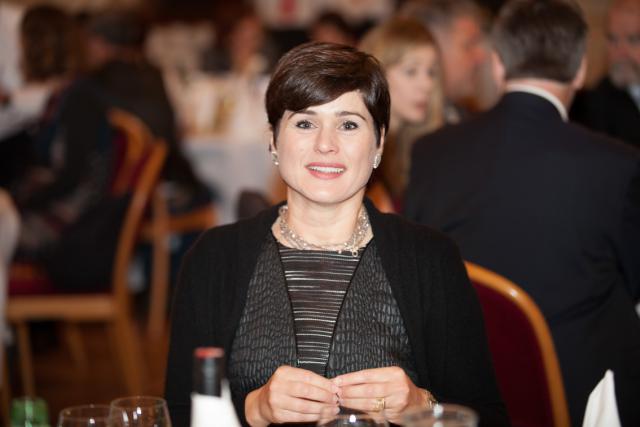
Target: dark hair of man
x,y
316,73
335,20
540,39
119,28
49,43
438,15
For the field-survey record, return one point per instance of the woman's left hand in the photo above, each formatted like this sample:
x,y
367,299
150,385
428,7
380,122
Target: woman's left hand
x,y
364,391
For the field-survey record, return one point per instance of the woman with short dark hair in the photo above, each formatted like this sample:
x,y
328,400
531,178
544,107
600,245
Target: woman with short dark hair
x,y
323,301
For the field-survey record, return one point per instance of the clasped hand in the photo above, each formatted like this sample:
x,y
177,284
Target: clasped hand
x,y
298,395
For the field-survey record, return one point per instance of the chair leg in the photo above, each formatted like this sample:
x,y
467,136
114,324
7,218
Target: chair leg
x,y
73,338
26,363
160,271
159,288
128,349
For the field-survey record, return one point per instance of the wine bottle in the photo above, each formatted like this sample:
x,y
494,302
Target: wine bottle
x,y
211,404
28,412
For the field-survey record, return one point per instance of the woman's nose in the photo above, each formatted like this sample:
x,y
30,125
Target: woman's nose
x,y
326,140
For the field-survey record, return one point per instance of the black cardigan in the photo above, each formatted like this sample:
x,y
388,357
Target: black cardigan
x,y
440,309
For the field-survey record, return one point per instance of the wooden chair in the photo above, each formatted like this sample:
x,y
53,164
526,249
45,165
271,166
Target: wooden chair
x,y
5,389
157,230
139,169
523,353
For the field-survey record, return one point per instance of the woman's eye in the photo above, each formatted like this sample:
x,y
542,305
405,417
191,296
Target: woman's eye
x,y
349,125
411,72
304,124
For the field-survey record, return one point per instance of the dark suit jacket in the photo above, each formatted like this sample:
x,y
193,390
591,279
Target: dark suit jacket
x,y
610,110
556,209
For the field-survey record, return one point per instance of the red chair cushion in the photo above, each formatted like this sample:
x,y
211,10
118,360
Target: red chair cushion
x,y
517,360
27,279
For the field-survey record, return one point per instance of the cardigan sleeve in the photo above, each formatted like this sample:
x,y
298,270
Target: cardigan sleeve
x,y
191,327
468,376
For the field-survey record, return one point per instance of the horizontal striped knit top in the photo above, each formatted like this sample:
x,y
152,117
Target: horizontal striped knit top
x,y
317,282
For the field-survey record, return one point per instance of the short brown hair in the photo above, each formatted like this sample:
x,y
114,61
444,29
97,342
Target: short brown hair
x,y
316,73
50,46
541,39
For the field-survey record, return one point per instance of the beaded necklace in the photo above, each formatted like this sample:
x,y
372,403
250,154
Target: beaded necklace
x,y
351,245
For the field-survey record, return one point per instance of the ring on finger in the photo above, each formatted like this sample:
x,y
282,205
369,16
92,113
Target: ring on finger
x,y
378,404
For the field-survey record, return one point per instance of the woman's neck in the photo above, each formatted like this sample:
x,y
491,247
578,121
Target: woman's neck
x,y
322,224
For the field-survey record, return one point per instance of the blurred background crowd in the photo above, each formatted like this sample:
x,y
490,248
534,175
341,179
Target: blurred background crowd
x,y
195,72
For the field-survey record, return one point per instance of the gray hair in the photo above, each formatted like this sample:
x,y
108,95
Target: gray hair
x,y
439,14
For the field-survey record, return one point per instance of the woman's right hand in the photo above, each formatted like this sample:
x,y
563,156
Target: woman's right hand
x,y
290,395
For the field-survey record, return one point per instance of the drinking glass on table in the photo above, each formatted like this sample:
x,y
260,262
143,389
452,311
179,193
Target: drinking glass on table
x,y
142,411
441,415
89,416
328,418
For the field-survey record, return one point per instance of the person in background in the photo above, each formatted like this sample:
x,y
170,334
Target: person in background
x,y
547,204
457,26
49,58
239,68
331,27
613,106
10,77
121,77
9,230
70,181
396,322
410,57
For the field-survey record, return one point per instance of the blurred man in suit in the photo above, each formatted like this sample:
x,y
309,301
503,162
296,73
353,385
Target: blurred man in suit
x,y
547,204
613,106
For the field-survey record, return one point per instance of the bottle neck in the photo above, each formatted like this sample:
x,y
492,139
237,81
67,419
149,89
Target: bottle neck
x,y
208,376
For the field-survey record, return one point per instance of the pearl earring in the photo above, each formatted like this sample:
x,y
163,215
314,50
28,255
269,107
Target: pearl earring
x,y
376,160
274,158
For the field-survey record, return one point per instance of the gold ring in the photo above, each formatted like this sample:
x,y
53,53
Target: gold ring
x,y
378,404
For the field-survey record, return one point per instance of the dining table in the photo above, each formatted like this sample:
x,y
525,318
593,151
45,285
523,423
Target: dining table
x,y
230,167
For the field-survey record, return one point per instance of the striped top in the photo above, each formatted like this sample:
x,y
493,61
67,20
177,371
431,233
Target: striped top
x,y
317,282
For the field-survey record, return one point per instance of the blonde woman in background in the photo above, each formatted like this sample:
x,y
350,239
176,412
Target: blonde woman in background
x,y
411,61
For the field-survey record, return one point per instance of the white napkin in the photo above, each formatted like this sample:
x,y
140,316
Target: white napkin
x,y
602,409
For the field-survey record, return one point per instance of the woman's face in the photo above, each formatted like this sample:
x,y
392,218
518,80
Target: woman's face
x,y
326,152
411,83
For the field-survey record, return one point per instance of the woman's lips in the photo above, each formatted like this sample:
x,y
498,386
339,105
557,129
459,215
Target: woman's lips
x,y
326,170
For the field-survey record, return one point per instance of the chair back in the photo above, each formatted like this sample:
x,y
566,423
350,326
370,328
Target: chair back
x,y
524,357
140,166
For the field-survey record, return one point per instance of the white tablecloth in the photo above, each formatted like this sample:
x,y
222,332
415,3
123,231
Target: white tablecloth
x,y
229,168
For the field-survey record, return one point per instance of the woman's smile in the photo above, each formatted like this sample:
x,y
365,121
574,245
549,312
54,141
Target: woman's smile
x,y
326,170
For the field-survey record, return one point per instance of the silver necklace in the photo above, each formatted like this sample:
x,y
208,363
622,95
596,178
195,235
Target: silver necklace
x,y
351,245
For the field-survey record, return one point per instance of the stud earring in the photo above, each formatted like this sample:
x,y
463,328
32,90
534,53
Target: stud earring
x,y
274,158
376,160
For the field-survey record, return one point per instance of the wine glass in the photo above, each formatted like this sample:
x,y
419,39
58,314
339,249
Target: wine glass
x,y
142,411
347,418
441,415
89,416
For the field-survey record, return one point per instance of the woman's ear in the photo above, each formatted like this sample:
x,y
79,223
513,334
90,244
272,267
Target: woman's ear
x,y
498,71
380,147
581,75
272,143
272,150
